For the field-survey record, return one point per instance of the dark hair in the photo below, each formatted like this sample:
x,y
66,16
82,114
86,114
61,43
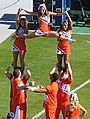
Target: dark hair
x,y
55,76
65,21
16,73
61,69
20,68
10,115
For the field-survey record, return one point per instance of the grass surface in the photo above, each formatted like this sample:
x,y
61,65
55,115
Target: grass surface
x,y
40,58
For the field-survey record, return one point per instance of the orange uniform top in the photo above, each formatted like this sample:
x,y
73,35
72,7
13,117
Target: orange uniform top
x,y
74,114
44,23
64,44
18,95
13,95
64,91
19,43
51,96
24,80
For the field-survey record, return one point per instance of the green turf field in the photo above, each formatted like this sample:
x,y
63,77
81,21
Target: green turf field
x,y
40,58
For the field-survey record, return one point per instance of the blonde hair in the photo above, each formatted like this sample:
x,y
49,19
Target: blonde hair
x,y
74,101
46,11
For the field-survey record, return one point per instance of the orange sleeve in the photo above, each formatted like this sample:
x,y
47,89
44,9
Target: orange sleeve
x,y
52,87
48,88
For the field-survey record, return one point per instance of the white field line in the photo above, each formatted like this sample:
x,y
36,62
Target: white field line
x,y
74,90
39,114
88,41
81,86
82,33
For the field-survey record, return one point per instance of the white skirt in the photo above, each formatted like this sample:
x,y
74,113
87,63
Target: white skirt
x,y
59,51
15,48
38,32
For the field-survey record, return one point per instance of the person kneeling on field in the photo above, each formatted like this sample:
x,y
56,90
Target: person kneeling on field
x,y
74,108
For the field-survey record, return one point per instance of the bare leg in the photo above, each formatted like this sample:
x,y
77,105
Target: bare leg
x,y
22,56
52,34
64,110
66,58
15,58
59,64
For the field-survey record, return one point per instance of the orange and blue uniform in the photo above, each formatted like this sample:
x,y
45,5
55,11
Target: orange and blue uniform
x,y
50,101
18,100
19,43
64,45
63,97
24,80
43,28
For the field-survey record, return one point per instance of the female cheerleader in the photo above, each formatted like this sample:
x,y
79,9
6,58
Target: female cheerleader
x,y
64,41
19,46
43,16
75,108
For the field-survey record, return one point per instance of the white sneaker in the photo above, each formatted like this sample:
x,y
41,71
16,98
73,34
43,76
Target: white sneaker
x,y
71,41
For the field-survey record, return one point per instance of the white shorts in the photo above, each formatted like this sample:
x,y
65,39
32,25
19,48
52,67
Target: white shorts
x,y
59,51
17,113
15,48
38,32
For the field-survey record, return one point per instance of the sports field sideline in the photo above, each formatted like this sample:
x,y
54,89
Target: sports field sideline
x,y
40,57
